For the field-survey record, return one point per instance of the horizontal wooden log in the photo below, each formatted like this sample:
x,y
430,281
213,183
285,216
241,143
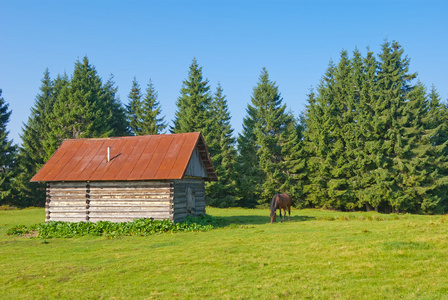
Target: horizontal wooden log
x,y
74,190
116,220
110,216
126,190
67,193
129,202
78,213
129,209
65,219
67,208
68,185
180,216
105,184
68,199
129,199
129,195
184,211
180,205
188,182
183,190
195,187
183,195
74,207
67,214
123,204
184,205
178,201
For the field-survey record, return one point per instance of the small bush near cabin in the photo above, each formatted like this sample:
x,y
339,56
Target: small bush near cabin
x,y
138,227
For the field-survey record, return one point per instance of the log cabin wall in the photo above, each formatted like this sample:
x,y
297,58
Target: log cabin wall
x,y
188,198
66,201
126,201
116,201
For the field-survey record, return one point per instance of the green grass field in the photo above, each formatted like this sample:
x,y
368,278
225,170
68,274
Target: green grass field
x,y
318,255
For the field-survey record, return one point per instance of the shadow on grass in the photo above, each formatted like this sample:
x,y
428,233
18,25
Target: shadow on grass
x,y
245,220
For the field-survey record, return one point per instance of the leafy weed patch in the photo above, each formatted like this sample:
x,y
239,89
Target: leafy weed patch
x,y
138,227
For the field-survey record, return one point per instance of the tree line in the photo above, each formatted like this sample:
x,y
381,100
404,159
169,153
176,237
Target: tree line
x,y
370,136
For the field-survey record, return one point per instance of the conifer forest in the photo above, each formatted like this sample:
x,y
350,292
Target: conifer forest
x,y
372,136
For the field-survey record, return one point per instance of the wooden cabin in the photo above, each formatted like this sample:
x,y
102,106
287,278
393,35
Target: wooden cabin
x,y
125,178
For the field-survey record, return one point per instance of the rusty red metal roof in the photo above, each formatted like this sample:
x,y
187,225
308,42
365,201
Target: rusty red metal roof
x,y
146,157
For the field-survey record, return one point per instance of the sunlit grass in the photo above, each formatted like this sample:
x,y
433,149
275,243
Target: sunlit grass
x,y
319,254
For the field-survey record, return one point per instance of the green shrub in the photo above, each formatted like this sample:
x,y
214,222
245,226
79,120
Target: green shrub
x,y
18,230
138,227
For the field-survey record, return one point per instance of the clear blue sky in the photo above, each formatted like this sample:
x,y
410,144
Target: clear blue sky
x,y
232,41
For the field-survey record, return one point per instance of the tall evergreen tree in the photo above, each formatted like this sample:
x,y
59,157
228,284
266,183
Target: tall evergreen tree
x,y
250,175
437,117
7,155
193,104
437,120
144,114
80,110
221,146
32,155
341,158
153,122
368,175
133,108
114,108
371,137
317,139
397,135
270,133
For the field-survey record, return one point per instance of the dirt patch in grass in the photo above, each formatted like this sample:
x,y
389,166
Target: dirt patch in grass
x,y
30,234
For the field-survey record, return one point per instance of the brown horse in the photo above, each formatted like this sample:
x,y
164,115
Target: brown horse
x,y
280,201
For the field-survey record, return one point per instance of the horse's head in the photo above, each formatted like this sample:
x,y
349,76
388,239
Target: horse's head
x,y
273,216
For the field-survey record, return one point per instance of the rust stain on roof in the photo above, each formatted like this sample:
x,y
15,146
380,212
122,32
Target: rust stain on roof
x,y
148,157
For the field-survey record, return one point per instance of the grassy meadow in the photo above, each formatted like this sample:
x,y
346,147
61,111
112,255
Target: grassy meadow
x,y
317,255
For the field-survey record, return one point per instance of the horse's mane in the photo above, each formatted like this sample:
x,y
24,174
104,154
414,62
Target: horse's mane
x,y
273,203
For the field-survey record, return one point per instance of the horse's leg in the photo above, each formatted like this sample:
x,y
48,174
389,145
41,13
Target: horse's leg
x,y
289,213
284,213
280,210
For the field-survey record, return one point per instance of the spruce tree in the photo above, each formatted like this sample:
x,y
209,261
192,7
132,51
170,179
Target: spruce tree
x,y
193,104
144,114
80,110
437,120
153,122
392,109
7,155
437,117
271,130
342,155
374,139
221,146
293,161
368,175
426,181
115,110
266,160
133,108
32,155
250,177
317,140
